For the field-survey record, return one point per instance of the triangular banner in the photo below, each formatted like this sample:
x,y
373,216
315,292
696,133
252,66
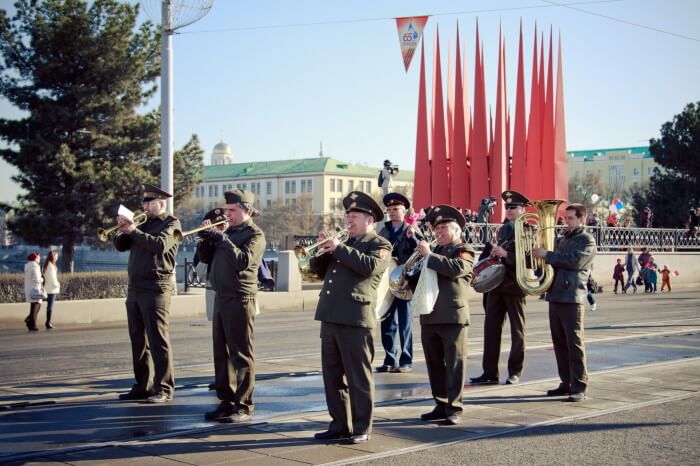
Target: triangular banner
x,y
410,31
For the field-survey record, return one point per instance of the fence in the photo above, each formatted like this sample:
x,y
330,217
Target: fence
x,y
607,238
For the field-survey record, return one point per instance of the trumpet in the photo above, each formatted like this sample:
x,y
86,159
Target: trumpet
x,y
104,234
304,254
180,235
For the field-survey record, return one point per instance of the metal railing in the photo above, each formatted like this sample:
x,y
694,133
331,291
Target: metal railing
x,y
607,238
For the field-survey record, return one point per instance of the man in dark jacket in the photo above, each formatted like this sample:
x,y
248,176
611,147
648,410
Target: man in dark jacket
x,y
346,308
233,257
152,249
444,330
506,299
572,260
397,324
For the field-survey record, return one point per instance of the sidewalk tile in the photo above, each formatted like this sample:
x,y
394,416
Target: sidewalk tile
x,y
113,455
526,419
381,443
482,426
321,454
294,428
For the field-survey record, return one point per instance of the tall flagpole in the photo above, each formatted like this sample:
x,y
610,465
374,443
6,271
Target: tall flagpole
x,y
166,102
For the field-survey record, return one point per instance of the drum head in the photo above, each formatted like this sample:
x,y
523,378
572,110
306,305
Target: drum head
x,y
488,274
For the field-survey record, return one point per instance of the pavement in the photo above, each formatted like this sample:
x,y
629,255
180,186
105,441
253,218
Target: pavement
x,y
638,368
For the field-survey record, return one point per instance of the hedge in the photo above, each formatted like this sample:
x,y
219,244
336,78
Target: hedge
x,y
81,285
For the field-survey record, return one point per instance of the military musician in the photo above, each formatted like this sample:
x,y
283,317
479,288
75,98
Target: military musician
x,y
233,257
397,324
572,261
152,249
444,330
506,299
352,272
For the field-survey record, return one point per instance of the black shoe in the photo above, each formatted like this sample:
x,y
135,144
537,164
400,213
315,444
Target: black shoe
x,y
357,439
49,326
33,329
330,435
434,415
159,398
576,397
483,380
133,395
238,416
452,420
559,391
386,368
221,411
212,386
513,380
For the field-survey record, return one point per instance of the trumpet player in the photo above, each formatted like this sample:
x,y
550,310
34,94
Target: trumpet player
x,y
397,325
233,257
152,249
444,330
352,272
506,299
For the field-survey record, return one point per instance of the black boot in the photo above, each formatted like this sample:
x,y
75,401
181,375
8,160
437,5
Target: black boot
x,y
49,325
31,320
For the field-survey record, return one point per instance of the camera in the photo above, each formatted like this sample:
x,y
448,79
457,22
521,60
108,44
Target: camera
x,y
391,168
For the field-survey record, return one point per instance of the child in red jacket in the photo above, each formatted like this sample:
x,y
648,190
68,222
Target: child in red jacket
x,y
666,278
619,277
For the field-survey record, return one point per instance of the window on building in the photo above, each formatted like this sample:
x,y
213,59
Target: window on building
x,y
339,186
303,186
294,200
211,191
269,203
286,187
331,203
294,186
351,185
332,185
268,187
635,172
368,187
241,185
309,186
216,190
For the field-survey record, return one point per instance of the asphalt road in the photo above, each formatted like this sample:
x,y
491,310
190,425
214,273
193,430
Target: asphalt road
x,y
88,350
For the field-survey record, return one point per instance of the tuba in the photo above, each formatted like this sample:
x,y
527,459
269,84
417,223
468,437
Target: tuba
x,y
535,230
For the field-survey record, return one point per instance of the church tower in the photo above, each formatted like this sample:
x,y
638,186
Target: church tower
x,y
221,155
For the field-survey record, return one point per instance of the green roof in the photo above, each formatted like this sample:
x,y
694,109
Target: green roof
x,y
591,154
308,166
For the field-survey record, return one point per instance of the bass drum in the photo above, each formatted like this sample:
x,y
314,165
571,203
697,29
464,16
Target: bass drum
x,y
488,274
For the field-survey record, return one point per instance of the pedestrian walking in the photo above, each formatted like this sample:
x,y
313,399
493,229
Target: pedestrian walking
x,y
632,267
619,276
666,278
51,285
33,289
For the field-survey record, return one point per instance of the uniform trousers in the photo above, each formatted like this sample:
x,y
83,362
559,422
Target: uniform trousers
x,y
498,305
445,350
148,315
566,326
347,353
234,364
397,327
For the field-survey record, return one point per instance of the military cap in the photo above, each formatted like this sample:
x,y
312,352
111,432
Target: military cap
x,y
234,196
445,213
151,192
215,215
360,202
396,199
514,198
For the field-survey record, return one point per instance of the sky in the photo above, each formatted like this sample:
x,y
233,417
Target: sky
x,y
275,78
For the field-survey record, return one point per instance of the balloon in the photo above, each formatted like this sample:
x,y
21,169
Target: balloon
x,y
619,204
594,198
676,273
613,209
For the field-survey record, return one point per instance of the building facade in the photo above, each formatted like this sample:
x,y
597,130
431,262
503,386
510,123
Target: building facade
x,y
619,169
322,180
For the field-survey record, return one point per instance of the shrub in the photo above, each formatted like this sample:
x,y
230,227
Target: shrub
x,y
81,285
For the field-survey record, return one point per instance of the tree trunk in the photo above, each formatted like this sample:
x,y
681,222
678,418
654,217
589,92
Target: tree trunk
x,y
67,257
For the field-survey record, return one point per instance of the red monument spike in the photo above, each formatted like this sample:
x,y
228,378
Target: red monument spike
x,y
532,164
499,156
450,111
438,147
421,181
466,112
479,143
547,162
459,172
561,185
518,179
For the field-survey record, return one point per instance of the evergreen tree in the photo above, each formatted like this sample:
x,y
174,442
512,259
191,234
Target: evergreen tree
x,y
79,71
672,192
